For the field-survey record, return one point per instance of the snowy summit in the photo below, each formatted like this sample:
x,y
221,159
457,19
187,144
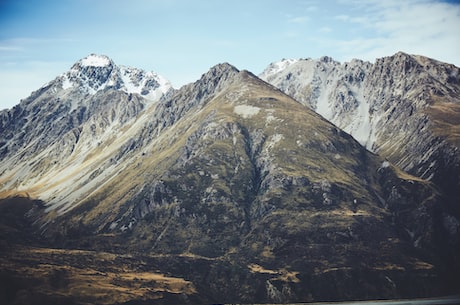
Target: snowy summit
x,y
98,72
94,60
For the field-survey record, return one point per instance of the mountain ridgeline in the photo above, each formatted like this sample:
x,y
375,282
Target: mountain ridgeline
x,y
118,189
406,108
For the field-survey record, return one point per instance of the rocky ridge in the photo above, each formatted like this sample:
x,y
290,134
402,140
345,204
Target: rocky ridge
x,y
66,122
403,107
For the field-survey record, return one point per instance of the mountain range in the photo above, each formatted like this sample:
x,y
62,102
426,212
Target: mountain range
x,y
314,181
404,108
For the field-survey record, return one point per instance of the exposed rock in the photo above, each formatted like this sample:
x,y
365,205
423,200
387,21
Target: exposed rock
x,y
268,203
403,107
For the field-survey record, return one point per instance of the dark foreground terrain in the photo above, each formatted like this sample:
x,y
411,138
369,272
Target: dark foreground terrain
x,y
33,273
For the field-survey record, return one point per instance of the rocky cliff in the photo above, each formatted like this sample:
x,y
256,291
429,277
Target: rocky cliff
x,y
403,107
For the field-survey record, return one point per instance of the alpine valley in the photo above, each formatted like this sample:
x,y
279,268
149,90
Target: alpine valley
x,y
116,188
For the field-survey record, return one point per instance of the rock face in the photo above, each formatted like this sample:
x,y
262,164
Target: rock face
x,y
406,108
224,191
60,131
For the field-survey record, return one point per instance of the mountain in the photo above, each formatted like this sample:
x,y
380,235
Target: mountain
x,y
66,129
226,190
404,107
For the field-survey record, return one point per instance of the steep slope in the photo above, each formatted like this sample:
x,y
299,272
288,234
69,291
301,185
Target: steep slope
x,y
53,141
226,190
72,99
403,107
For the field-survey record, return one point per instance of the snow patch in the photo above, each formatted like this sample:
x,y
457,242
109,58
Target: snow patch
x,y
165,85
280,66
95,61
66,84
136,81
246,111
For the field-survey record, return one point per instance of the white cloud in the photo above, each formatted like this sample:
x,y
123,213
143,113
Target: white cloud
x,y
418,27
9,48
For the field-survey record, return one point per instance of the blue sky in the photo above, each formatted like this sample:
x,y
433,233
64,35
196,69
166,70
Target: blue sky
x,y
182,39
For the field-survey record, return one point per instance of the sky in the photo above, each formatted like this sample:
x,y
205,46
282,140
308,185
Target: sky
x,y
181,40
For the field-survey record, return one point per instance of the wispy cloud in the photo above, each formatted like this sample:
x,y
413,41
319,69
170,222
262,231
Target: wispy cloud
x,y
24,43
422,27
358,20
9,48
325,29
312,8
299,20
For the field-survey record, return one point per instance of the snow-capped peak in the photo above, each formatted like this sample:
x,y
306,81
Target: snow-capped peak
x,y
147,84
279,66
98,72
94,60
